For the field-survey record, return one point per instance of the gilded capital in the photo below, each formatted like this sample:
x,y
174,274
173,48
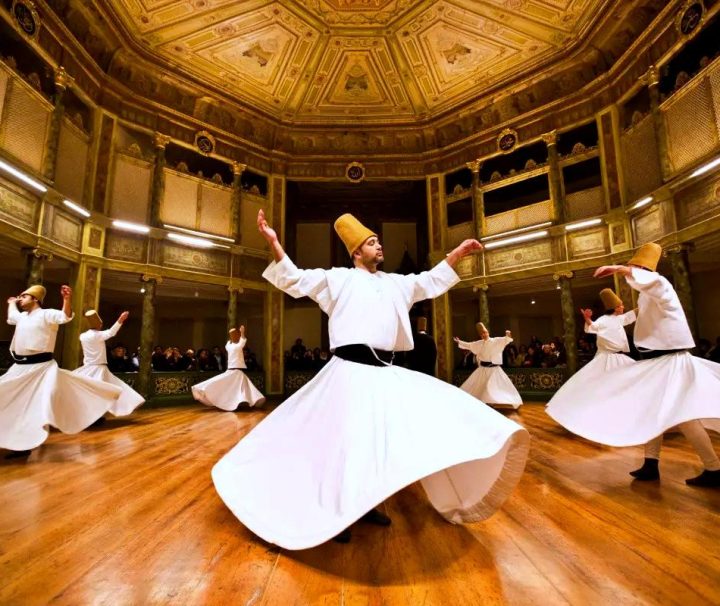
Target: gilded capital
x,y
38,253
563,274
238,168
652,76
550,138
479,287
151,278
474,166
161,140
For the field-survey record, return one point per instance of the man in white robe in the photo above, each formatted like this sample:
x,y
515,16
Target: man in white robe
x,y
95,366
362,429
489,383
669,387
35,392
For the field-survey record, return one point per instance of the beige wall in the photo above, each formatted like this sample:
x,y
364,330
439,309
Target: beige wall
x,y
394,237
706,294
304,322
314,245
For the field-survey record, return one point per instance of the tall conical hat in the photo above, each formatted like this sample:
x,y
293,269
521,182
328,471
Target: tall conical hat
x,y
93,318
352,232
647,256
36,290
480,327
609,299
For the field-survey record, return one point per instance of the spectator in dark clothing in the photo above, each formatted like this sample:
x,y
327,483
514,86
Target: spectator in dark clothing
x,y
118,360
297,351
219,357
206,362
424,355
158,359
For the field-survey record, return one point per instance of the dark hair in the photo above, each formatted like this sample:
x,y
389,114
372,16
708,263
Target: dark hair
x,y
609,312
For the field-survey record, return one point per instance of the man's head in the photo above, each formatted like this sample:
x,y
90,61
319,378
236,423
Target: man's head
x,y
647,256
93,319
369,254
362,244
234,335
482,331
118,351
611,302
31,298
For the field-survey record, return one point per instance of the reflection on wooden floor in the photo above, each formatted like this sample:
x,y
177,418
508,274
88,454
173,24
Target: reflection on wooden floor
x,y
127,514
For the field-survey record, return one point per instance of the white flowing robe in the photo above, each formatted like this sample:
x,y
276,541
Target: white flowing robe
x,y
638,402
34,396
490,384
356,434
95,367
231,388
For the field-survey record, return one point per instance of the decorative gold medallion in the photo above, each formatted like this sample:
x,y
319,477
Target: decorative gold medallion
x,y
355,172
26,17
690,18
507,141
205,142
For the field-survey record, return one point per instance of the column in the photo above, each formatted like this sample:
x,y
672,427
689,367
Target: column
x,y
554,178
653,82
273,320
158,179
86,295
232,316
147,334
53,137
35,265
568,316
236,200
678,257
479,221
483,304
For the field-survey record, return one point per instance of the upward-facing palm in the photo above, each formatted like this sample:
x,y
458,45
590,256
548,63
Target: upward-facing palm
x,y
268,232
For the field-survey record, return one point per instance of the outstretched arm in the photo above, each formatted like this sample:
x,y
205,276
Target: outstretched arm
x,y
66,294
465,248
270,236
115,328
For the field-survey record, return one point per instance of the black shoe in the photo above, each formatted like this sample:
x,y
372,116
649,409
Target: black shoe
x,y
343,537
375,516
18,454
706,478
648,472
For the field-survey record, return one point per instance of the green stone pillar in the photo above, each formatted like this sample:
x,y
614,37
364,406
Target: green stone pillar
x,y
147,334
158,179
653,81
236,201
678,257
232,316
479,222
568,316
483,304
35,265
554,178
53,138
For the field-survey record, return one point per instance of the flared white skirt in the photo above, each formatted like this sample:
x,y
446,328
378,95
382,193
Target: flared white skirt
x,y
357,434
35,396
626,403
129,399
227,391
492,386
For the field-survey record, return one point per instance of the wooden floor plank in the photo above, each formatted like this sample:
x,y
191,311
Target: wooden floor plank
x,y
127,514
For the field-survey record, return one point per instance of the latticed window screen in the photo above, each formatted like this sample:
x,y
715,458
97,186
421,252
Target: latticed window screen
x,y
691,124
585,203
4,79
458,233
519,217
179,205
250,235
215,209
130,194
71,165
25,124
641,167
714,80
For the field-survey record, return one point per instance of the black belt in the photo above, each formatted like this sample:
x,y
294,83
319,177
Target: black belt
x,y
237,368
488,364
658,353
46,356
364,354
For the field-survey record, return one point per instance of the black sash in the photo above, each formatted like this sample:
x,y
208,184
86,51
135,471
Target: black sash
x,y
650,354
488,364
364,354
237,369
46,356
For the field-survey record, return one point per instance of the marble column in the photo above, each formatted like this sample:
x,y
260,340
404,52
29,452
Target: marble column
x,y
35,265
568,316
147,334
158,179
678,257
479,221
236,201
232,315
554,178
483,304
56,119
273,320
653,82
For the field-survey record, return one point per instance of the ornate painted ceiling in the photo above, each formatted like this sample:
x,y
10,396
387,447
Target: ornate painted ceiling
x,y
364,61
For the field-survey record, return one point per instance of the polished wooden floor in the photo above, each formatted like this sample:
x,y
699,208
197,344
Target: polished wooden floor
x,y
127,514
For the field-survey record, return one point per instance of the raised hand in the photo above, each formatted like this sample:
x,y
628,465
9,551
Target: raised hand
x,y
65,291
508,334
12,300
609,270
242,330
268,232
123,316
465,248
456,339
587,314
